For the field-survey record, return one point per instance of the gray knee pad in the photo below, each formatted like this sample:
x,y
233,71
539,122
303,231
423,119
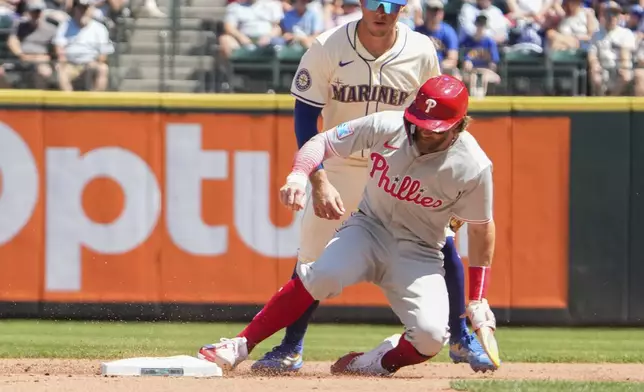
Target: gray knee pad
x,y
318,282
427,338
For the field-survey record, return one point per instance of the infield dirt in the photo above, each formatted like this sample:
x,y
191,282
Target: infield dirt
x,y
56,375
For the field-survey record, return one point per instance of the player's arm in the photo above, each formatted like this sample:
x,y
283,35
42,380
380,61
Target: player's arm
x,y
310,89
475,208
342,141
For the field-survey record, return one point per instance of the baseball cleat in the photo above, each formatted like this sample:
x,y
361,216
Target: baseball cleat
x,y
366,364
227,354
469,350
281,359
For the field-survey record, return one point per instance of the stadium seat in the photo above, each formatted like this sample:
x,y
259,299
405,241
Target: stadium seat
x,y
288,60
258,68
6,23
568,71
523,71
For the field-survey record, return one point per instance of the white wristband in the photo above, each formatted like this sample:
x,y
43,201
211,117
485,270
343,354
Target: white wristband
x,y
297,178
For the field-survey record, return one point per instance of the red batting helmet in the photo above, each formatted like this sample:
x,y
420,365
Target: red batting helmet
x,y
441,102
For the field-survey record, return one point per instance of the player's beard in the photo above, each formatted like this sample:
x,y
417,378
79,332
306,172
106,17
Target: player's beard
x,y
434,142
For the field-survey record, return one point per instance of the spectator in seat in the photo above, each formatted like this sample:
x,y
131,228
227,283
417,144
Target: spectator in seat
x,y
10,11
249,25
575,29
497,24
10,8
610,57
442,35
301,24
639,70
107,10
480,59
56,10
30,42
636,25
82,46
350,11
330,10
532,11
635,22
412,14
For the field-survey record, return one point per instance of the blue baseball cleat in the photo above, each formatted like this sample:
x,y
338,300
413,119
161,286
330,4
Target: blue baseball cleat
x,y
469,350
281,359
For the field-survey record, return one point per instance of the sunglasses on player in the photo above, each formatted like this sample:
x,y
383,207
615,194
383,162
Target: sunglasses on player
x,y
389,8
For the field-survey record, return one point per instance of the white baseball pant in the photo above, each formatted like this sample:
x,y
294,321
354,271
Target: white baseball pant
x,y
363,250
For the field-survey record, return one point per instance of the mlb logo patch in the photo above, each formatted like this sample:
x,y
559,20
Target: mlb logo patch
x,y
343,130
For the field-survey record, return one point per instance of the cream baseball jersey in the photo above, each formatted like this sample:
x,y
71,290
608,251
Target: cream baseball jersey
x,y
412,195
339,75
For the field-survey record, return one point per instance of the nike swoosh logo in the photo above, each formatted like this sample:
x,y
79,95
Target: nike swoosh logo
x,y
389,146
341,64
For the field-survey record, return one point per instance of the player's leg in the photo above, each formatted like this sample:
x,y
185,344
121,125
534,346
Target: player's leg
x,y
349,181
348,259
455,281
295,332
417,293
288,355
464,347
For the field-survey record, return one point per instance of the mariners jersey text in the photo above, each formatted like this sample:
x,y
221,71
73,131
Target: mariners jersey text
x,y
365,93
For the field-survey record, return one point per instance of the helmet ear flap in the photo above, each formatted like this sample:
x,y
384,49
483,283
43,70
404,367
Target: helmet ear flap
x,y
410,129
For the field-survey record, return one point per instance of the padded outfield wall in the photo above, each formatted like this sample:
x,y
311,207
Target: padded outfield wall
x,y
163,206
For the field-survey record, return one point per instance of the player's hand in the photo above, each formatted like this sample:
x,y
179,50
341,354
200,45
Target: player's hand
x,y
293,196
480,314
327,203
484,324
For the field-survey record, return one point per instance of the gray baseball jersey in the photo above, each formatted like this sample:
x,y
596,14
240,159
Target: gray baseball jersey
x,y
412,195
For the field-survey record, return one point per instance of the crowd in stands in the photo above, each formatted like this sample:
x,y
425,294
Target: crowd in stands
x,y
607,34
60,44
65,44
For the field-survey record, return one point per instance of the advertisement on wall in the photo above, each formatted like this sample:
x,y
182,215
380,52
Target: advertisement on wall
x,y
110,206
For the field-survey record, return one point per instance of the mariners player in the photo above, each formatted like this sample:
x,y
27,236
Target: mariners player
x,y
371,65
424,168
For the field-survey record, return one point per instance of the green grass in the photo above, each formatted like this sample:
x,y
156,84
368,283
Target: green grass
x,y
103,340
545,386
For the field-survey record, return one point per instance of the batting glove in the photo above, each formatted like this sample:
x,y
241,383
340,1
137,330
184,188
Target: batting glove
x,y
480,315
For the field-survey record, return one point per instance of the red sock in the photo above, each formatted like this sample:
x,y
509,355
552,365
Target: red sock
x,y
286,306
405,354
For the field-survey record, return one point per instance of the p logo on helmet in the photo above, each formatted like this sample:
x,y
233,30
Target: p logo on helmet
x,y
430,103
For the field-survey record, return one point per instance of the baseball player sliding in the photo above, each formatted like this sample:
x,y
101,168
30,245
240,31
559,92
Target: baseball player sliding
x,y
424,168
372,65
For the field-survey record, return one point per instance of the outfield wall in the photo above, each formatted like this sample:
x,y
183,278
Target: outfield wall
x,y
164,206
